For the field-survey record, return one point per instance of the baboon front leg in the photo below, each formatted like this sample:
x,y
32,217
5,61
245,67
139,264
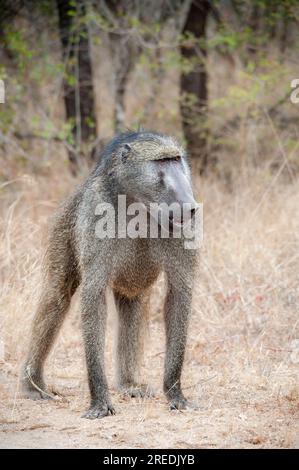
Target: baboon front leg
x,y
132,316
177,309
94,313
52,308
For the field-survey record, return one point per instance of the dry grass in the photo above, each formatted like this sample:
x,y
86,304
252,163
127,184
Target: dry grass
x,y
242,358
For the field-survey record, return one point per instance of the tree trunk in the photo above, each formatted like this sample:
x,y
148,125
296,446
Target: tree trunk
x,y
122,58
254,25
284,35
78,87
194,89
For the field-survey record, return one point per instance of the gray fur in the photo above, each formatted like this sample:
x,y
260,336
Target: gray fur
x,y
127,266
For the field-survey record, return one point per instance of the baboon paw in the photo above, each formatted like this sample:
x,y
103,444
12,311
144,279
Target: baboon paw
x,y
182,404
99,411
138,391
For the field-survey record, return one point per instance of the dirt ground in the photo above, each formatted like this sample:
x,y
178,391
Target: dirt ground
x,y
238,408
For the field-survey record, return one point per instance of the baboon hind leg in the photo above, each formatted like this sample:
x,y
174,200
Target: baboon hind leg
x,y
51,311
132,314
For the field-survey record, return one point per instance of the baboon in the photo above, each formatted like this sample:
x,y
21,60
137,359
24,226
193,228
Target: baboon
x,y
146,167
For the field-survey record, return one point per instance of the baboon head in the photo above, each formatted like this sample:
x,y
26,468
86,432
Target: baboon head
x,y
152,168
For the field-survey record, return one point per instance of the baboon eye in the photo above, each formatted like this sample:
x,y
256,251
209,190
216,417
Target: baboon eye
x,y
177,158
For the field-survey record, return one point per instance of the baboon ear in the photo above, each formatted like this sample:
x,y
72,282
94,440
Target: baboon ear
x,y
125,151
